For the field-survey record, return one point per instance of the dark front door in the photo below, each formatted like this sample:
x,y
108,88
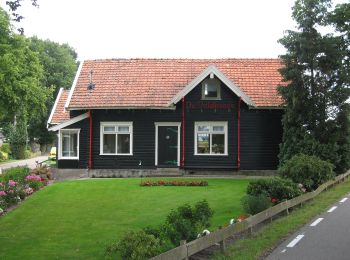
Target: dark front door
x,y
167,146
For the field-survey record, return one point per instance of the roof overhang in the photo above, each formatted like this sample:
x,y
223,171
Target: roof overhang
x,y
54,107
69,122
212,69
66,106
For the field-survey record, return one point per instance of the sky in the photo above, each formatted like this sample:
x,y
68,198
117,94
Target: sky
x,y
161,28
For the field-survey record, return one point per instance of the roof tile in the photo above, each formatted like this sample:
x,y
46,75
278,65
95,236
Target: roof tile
x,y
154,82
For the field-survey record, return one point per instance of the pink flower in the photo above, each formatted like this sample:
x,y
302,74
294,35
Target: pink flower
x,y
2,193
12,183
29,191
1,184
11,191
33,177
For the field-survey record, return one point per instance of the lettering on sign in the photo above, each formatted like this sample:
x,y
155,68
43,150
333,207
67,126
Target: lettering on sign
x,y
208,105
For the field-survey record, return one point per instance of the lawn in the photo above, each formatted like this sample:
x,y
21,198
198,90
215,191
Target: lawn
x,y
76,219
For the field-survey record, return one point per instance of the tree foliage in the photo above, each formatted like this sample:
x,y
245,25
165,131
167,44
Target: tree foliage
x,y
14,5
59,67
318,82
31,72
21,94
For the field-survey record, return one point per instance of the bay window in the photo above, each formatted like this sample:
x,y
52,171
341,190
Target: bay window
x,y
116,138
210,138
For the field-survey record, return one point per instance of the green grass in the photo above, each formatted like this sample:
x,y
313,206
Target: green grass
x,y
254,246
76,219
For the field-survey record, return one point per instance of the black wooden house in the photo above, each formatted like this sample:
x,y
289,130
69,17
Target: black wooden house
x,y
160,113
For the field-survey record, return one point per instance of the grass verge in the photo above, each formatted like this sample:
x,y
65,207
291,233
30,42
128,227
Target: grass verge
x,y
268,237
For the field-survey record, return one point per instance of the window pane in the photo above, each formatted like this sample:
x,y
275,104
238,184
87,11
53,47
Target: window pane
x,y
108,128
203,128
211,91
211,88
218,128
123,129
218,143
203,142
109,143
69,144
124,143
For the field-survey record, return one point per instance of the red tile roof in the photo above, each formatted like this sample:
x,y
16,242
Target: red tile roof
x,y
154,82
60,114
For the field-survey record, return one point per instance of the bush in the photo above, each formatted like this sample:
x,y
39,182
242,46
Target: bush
x,y
255,204
277,189
135,245
186,222
27,154
310,171
17,174
34,182
43,171
3,156
5,148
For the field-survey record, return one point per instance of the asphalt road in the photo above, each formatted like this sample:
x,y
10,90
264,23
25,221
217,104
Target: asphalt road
x,y
31,163
326,237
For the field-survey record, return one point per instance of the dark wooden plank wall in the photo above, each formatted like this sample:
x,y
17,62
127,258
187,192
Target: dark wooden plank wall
x,y
261,132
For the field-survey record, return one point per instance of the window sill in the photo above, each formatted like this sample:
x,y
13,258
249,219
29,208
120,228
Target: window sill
x,y
211,154
116,154
210,99
68,158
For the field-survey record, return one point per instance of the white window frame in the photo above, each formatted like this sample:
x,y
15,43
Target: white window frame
x,y
178,124
116,124
60,139
210,124
218,90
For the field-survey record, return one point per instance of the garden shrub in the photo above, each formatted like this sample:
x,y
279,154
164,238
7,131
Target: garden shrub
x,y
277,189
3,156
43,171
27,154
34,182
186,222
254,204
17,174
308,170
5,148
135,245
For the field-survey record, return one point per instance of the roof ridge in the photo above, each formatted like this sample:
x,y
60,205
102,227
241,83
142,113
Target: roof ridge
x,y
186,59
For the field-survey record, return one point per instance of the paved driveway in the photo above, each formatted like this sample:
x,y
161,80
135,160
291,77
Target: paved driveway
x,y
31,163
325,237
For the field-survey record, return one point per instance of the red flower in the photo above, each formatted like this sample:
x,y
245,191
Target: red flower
x,y
274,200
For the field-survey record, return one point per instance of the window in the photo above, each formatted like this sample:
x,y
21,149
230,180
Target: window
x,y
210,138
116,138
211,89
69,144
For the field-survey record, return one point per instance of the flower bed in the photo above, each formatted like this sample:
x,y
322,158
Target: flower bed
x,y
174,183
18,183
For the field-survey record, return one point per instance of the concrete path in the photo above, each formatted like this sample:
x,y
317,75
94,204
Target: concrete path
x,y
30,162
325,237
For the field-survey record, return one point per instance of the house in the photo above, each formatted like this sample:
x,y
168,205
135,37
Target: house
x,y
222,114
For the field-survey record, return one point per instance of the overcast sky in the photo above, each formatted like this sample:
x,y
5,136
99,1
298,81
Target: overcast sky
x,y
162,29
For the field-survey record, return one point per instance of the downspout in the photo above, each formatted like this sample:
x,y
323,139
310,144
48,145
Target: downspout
x,y
183,133
239,133
90,141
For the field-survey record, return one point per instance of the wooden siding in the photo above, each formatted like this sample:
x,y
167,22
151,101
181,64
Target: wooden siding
x,y
261,133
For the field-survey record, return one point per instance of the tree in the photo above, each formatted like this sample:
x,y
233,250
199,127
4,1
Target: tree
x,y
14,5
59,67
317,88
20,75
